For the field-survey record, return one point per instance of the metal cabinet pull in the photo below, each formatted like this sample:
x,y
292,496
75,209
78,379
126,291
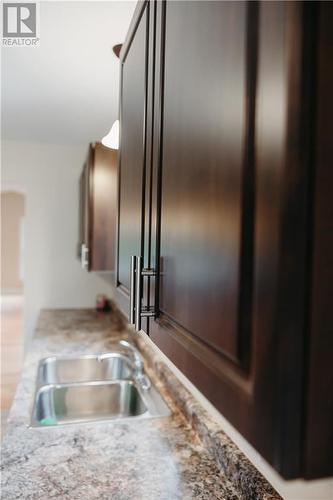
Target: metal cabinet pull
x,y
84,256
132,289
136,310
138,294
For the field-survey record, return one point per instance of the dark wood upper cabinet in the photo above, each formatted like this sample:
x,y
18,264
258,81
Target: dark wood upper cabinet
x,y
83,213
319,400
206,127
98,209
132,160
224,191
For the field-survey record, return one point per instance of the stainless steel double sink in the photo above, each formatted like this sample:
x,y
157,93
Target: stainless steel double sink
x,y
96,387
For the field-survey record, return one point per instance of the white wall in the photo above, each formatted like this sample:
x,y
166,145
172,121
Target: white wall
x,y
49,176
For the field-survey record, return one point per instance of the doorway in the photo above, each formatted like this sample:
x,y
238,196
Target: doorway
x,y
12,296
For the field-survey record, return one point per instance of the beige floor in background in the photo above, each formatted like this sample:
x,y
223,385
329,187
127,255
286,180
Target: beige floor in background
x,y
11,351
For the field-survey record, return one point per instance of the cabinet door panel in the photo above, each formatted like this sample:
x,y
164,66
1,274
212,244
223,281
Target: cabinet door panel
x,y
132,156
231,182
203,163
103,214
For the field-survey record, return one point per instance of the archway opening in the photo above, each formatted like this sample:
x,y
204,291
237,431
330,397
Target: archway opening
x,y
12,294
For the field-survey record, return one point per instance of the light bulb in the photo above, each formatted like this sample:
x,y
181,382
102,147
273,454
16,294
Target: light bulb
x,y
111,140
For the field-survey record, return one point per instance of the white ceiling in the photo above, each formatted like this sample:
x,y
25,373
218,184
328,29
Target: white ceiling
x,y
66,90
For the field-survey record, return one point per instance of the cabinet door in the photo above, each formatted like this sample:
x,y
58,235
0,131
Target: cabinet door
x,y
133,99
103,212
205,158
81,213
231,184
97,209
319,400
85,207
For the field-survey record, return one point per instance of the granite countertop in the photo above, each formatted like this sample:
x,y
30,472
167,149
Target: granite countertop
x,y
183,456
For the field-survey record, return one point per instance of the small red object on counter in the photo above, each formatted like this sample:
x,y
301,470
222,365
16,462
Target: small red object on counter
x,y
103,303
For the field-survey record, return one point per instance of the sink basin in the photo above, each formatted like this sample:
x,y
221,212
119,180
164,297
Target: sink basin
x,y
87,388
80,402
63,370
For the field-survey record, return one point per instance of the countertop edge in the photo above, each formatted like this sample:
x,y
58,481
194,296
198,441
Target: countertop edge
x,y
247,480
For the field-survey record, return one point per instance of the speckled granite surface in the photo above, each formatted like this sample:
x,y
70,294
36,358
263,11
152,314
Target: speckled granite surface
x,y
179,457
245,478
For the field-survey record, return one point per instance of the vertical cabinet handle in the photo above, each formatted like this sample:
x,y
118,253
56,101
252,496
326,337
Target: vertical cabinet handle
x,y
136,275
84,256
138,294
132,289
